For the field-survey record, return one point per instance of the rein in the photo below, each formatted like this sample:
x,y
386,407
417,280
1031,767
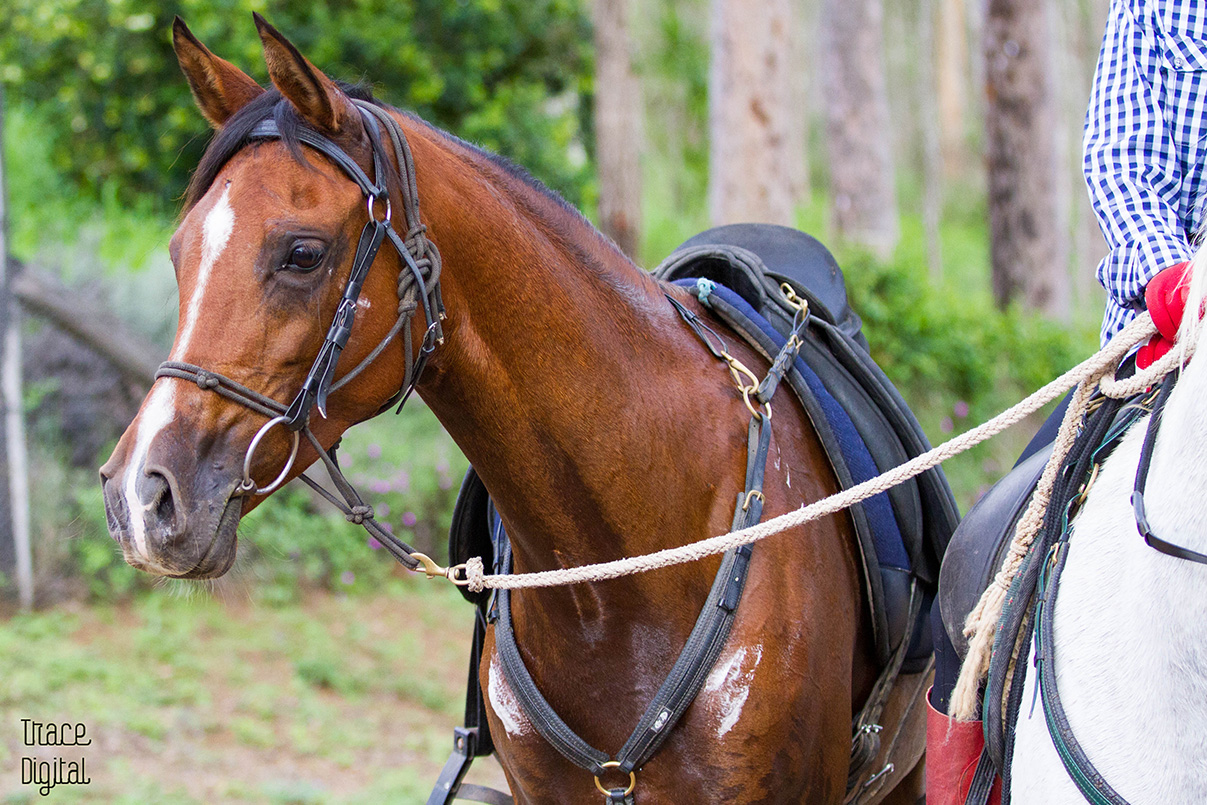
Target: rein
x,y
1146,457
418,287
1089,781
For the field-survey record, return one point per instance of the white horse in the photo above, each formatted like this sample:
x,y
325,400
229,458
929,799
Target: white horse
x,y
1130,624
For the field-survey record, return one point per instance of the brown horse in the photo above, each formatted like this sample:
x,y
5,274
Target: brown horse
x,y
600,423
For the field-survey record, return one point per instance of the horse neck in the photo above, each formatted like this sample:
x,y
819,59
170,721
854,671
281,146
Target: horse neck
x,y
562,374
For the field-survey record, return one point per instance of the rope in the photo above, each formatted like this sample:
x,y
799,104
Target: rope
x,y
981,623
1091,371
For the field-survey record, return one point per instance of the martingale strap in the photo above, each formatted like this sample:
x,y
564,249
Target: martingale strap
x,y
686,677
707,637
418,287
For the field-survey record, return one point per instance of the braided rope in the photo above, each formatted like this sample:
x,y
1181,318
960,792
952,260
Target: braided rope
x,y
981,624
1091,371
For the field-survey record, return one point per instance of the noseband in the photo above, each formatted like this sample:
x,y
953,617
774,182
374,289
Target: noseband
x,y
418,287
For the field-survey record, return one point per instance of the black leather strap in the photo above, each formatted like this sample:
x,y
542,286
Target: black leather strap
x,y
982,781
698,656
471,741
1146,458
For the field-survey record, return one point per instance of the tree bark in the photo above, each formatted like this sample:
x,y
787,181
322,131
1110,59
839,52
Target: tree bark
x,y
951,85
756,153
932,140
15,553
858,133
1028,248
618,135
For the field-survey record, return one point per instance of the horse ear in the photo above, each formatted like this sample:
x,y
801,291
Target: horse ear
x,y
219,87
315,96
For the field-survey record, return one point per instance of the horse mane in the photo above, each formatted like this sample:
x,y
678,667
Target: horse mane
x,y
233,136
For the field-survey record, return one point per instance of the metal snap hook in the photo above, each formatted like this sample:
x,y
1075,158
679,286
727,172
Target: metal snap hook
x,y
249,485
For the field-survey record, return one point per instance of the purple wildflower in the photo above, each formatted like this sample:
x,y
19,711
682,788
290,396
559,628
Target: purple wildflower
x,y
947,426
347,577
409,519
960,409
374,450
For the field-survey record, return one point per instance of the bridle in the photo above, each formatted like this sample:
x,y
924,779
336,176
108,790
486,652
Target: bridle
x,y
418,287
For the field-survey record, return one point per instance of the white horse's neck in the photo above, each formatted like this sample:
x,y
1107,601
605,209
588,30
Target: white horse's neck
x,y
1131,623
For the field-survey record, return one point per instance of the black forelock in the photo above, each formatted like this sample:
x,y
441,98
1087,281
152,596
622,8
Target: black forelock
x,y
234,135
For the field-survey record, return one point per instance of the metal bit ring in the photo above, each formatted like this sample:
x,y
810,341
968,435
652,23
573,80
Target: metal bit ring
x,y
249,485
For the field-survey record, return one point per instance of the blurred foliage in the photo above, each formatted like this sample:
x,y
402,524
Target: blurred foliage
x,y
507,74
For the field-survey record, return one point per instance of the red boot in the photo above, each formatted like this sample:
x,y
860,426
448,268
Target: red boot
x,y
952,751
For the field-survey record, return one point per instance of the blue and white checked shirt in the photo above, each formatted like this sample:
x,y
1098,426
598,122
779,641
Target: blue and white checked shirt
x,y
1145,145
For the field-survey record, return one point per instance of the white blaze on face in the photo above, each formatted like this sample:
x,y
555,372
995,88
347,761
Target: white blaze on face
x,y
728,686
159,409
215,232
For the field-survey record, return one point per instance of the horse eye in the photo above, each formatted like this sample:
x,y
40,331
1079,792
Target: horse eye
x,y
305,256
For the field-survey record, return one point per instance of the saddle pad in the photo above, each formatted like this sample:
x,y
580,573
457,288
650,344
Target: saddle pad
x,y
886,535
754,260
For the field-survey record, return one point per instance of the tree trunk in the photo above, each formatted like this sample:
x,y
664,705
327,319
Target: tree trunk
x,y
951,85
932,140
617,126
15,554
858,134
1028,249
756,152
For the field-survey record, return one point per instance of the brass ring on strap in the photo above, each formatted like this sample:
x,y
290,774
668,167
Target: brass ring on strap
x,y
749,390
249,485
614,764
794,301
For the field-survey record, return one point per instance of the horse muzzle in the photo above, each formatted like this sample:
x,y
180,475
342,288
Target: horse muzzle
x,y
166,529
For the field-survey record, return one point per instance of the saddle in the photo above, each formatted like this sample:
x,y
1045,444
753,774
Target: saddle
x,y
861,419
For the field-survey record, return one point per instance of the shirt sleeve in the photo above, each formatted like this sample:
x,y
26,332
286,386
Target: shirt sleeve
x,y
1130,161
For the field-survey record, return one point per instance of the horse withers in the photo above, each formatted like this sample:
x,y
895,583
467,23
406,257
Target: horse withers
x,y
601,424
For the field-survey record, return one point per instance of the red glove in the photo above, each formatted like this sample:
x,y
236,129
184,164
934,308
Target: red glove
x,y
1165,296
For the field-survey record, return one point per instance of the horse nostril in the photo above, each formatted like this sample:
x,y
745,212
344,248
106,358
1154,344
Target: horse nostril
x,y
156,495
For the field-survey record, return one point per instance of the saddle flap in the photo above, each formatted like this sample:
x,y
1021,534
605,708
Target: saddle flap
x,y
469,532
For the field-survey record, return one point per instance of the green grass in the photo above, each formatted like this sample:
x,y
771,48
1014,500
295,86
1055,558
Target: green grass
x,y
337,699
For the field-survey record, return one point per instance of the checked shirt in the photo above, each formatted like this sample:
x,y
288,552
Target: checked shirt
x,y
1144,145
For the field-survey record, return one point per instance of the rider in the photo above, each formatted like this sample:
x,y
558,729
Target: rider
x,y
1145,148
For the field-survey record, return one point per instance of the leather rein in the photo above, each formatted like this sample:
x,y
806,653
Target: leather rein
x,y
418,288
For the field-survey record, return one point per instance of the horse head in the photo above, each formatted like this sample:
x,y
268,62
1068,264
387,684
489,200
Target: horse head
x,y
263,256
